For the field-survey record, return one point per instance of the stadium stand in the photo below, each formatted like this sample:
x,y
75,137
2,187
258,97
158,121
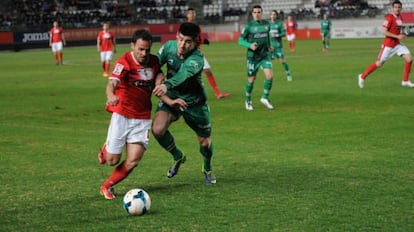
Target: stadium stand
x,y
39,14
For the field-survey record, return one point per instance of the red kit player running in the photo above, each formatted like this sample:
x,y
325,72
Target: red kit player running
x,y
291,27
56,42
391,28
105,44
128,92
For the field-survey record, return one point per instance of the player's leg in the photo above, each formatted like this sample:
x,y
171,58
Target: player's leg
x,y
103,63
323,43
161,122
281,57
60,52
134,153
405,53
384,54
212,81
198,119
268,82
115,143
287,70
108,58
55,53
252,69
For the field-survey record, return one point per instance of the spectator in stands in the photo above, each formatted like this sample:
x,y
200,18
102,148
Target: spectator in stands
x,y
291,27
191,18
326,26
106,45
391,28
56,42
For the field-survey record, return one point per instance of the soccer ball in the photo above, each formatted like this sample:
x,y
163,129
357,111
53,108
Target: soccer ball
x,y
137,202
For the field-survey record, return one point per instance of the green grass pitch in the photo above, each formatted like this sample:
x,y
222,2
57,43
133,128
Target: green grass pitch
x,y
330,157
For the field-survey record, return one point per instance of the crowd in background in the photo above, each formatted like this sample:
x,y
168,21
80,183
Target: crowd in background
x,y
39,14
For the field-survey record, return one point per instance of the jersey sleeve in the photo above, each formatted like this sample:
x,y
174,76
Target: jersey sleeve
x,y
121,67
193,65
243,36
161,54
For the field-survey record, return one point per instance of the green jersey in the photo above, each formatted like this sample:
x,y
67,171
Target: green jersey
x,y
326,25
277,31
256,32
183,75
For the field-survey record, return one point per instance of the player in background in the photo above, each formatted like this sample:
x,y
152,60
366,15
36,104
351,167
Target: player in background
x,y
256,38
391,28
128,93
106,45
277,32
326,26
291,27
56,42
191,18
184,63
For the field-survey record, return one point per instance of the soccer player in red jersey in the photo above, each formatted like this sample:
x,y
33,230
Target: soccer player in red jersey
x,y
106,45
291,27
128,93
56,42
391,28
191,17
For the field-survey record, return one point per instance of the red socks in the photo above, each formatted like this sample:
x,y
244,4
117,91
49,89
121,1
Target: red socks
x,y
407,70
213,84
119,173
369,70
106,68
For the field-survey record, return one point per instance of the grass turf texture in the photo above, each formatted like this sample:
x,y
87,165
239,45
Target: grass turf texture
x,y
331,157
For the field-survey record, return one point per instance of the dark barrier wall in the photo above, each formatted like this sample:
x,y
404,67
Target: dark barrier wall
x,y
78,37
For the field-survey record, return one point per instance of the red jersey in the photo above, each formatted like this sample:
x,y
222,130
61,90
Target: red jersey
x,y
106,41
291,27
135,86
56,34
393,24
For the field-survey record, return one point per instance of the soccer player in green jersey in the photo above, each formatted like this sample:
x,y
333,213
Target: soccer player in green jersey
x,y
184,63
326,26
277,32
255,37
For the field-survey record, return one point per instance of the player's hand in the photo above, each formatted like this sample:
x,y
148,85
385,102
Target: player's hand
x,y
112,100
206,41
253,46
178,103
160,90
402,37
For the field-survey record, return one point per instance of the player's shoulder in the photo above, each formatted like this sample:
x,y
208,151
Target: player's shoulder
x,y
196,56
126,58
153,59
170,44
389,16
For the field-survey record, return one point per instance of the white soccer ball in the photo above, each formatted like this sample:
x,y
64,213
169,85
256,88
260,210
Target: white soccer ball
x,y
137,202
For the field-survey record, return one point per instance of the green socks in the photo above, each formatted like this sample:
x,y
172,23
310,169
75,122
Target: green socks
x,y
168,143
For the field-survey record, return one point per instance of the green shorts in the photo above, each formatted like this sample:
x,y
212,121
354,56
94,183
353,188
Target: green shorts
x,y
254,65
278,53
326,34
196,117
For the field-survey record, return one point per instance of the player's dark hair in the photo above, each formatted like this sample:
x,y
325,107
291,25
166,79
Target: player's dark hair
x,y
190,29
141,34
257,7
396,2
190,9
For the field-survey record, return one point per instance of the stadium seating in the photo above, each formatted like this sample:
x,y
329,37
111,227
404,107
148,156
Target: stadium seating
x,y
35,14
